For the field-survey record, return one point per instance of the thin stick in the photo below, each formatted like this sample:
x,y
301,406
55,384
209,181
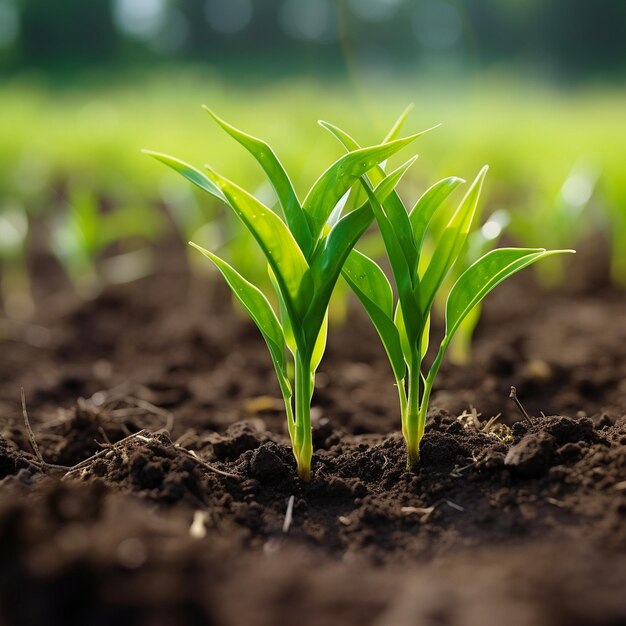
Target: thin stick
x,y
513,396
31,434
288,515
192,455
97,455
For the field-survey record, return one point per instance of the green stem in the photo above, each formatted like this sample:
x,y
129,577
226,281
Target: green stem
x,y
303,445
428,387
411,419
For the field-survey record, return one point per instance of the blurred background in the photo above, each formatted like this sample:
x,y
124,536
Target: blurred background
x,y
534,88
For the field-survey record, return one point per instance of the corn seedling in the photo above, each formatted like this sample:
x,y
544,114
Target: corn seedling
x,y
305,246
558,220
404,328
81,236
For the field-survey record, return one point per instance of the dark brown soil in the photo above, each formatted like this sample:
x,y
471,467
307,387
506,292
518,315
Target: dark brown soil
x,y
182,506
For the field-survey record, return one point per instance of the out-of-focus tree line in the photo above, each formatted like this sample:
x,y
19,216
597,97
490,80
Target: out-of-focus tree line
x,y
570,39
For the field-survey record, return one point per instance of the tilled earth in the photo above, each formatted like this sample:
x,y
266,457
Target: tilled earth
x,y
163,489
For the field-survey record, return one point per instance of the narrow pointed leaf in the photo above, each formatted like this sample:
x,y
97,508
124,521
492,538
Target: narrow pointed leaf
x,y
346,140
394,131
400,267
394,207
340,176
370,280
261,312
278,245
320,345
189,172
427,206
285,322
329,259
371,286
450,243
388,184
483,276
330,256
278,178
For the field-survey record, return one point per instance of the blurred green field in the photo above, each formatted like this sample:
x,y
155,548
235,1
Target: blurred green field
x,y
556,156
531,136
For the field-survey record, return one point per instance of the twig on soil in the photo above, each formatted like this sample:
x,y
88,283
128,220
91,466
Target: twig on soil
x,y
288,515
513,396
44,465
454,505
97,455
31,434
107,441
192,455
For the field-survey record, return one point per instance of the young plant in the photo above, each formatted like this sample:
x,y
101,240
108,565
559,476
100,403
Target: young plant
x,y
82,234
558,220
404,328
305,247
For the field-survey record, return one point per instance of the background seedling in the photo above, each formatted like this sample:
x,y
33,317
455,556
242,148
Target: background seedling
x,y
305,247
82,234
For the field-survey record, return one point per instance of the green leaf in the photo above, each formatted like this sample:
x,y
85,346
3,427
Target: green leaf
x,y
428,204
278,245
450,243
259,309
400,267
387,185
394,131
320,345
372,288
483,276
278,178
339,177
407,350
329,259
290,340
394,207
346,140
366,275
189,172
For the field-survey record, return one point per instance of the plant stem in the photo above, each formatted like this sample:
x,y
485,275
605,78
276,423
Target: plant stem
x,y
411,418
428,387
303,445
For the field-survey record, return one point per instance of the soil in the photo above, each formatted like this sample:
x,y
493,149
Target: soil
x,y
163,492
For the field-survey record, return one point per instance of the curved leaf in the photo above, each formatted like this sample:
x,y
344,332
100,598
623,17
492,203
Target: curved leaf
x,y
341,175
450,243
329,259
189,172
278,178
483,276
394,131
428,204
394,206
372,288
261,312
407,295
320,345
278,245
366,275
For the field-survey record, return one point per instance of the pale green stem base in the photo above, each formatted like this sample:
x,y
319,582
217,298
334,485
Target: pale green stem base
x,y
302,440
